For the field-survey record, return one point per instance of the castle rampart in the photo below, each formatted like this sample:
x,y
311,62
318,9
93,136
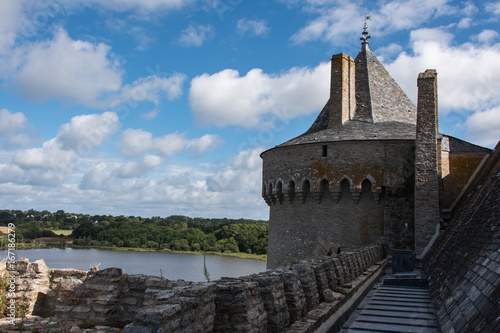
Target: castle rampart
x,y
296,298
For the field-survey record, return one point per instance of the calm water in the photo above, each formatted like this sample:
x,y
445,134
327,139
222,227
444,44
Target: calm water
x,y
173,266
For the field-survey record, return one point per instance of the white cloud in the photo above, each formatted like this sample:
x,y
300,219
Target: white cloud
x,y
141,6
468,79
85,132
486,36
136,169
137,142
334,19
389,51
206,142
468,75
11,13
242,174
431,35
12,123
72,70
465,23
152,88
196,35
333,24
15,129
493,7
253,27
226,98
59,158
484,127
150,115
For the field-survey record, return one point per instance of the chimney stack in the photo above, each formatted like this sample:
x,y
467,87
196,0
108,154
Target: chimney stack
x,y
342,93
427,212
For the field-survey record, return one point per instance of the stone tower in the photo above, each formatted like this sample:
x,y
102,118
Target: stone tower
x,y
349,181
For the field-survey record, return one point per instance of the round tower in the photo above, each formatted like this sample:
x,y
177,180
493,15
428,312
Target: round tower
x,y
346,182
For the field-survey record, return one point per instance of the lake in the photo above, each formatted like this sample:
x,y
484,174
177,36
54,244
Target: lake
x,y
171,266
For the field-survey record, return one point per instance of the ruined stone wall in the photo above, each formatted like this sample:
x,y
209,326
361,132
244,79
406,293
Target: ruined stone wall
x,y
463,267
298,297
335,200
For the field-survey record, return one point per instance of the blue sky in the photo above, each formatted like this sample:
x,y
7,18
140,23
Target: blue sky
x,y
160,107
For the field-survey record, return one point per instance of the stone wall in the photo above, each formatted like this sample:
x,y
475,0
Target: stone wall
x,y
337,200
296,297
463,267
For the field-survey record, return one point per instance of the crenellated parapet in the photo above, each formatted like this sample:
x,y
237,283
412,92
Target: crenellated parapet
x,y
321,191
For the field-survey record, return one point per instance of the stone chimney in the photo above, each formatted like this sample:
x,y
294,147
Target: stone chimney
x,y
427,212
342,93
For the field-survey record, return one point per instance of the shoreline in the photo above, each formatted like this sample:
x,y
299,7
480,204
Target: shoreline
x,y
240,255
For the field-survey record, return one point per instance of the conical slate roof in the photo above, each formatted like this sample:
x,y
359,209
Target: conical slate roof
x,y
383,110
378,97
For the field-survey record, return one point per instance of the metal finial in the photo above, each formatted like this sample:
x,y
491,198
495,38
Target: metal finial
x,y
365,34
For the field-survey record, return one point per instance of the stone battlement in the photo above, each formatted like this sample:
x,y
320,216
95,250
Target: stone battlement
x,y
295,298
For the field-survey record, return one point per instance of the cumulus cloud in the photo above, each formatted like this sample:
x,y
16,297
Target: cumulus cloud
x,y
84,132
152,88
142,7
468,78
14,129
252,27
226,98
136,169
243,172
334,20
484,127
72,70
12,123
151,114
137,142
486,36
493,7
206,142
468,75
11,13
196,35
57,159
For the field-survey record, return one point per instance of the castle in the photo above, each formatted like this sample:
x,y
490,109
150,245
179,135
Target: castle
x,y
371,168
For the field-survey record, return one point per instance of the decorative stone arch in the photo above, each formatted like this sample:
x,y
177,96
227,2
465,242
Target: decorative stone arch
x,y
323,190
305,190
349,179
366,185
290,193
371,179
345,188
271,196
373,189
279,191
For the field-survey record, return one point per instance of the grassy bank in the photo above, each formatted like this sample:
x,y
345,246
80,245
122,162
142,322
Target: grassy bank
x,y
262,257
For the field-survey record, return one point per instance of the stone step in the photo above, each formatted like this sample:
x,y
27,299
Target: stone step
x,y
389,328
398,314
408,309
409,320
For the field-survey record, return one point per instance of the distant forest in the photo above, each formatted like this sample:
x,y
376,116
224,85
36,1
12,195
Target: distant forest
x,y
176,232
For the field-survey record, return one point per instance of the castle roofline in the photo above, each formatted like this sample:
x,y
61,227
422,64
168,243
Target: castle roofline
x,y
363,90
355,131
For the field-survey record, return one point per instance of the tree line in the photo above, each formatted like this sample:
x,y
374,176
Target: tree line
x,y
176,232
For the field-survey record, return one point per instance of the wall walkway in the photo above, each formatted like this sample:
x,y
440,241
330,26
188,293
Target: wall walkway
x,y
309,296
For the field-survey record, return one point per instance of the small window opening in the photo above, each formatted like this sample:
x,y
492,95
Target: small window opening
x,y
325,151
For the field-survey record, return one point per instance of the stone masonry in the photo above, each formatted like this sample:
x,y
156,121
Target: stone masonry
x,y
293,298
427,213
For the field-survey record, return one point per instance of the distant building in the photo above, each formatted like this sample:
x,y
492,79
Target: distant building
x,y
371,168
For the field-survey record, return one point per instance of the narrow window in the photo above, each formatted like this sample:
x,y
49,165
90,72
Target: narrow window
x,y
325,151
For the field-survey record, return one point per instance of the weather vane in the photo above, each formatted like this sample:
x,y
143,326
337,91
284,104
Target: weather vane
x,y
365,29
